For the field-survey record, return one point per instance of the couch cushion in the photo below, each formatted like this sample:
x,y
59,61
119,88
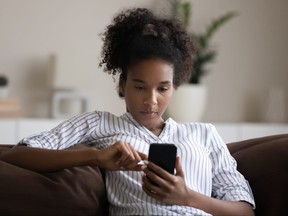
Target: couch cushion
x,y
74,191
264,163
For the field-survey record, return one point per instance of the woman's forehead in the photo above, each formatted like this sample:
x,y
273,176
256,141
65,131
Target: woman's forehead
x,y
151,67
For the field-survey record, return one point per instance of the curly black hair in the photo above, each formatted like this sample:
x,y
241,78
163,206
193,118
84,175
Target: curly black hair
x,y
137,34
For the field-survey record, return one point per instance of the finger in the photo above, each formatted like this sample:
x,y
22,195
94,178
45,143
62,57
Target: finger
x,y
150,192
149,184
136,166
143,156
136,155
155,177
124,151
150,188
178,167
132,160
157,170
160,176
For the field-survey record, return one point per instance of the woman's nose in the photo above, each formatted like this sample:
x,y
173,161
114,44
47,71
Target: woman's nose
x,y
150,98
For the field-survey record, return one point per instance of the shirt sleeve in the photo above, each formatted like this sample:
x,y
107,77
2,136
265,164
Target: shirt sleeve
x,y
228,182
73,131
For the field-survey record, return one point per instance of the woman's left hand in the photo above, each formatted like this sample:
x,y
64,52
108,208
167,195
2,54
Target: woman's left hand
x,y
168,188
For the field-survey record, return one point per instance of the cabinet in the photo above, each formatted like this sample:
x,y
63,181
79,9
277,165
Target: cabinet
x,y
13,130
231,132
27,127
8,131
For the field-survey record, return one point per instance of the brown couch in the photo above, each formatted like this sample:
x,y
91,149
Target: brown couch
x,y
80,190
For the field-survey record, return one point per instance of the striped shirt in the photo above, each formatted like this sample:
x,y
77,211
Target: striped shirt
x,y
208,166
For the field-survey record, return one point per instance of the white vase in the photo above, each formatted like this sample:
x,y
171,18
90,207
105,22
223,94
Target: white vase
x,y
188,103
4,91
276,105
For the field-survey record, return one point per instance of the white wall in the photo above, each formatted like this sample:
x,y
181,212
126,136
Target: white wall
x,y
252,52
252,57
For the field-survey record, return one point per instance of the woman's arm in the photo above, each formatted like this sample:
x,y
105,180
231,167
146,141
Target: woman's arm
x,y
38,159
172,190
219,207
118,156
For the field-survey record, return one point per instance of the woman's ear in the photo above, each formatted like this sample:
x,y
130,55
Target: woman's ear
x,y
121,88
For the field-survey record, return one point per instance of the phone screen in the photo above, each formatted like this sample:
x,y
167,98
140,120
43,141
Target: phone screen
x,y
163,155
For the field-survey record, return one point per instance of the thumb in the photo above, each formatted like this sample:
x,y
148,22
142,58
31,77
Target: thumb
x,y
143,156
178,167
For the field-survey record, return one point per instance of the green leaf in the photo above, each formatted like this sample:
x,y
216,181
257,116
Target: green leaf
x,y
186,13
203,55
216,24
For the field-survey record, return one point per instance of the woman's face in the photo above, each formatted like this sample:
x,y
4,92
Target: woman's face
x,y
148,91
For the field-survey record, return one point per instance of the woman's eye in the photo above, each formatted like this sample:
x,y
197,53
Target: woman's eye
x,y
163,89
139,88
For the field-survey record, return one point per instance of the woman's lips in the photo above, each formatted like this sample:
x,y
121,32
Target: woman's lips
x,y
148,113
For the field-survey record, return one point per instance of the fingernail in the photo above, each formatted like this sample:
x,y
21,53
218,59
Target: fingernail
x,y
146,162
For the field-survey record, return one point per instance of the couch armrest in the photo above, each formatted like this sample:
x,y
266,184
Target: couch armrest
x,y
264,163
74,191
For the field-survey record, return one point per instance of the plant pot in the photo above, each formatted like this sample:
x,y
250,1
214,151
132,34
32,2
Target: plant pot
x,y
188,103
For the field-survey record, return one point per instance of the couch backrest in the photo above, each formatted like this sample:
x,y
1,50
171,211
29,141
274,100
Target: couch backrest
x,y
263,161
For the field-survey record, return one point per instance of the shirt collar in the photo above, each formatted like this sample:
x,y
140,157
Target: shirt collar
x,y
167,130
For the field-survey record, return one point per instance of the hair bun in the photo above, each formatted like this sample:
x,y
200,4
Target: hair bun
x,y
152,30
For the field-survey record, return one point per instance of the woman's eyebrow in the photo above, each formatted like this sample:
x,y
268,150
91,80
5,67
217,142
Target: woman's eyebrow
x,y
138,80
166,82
163,82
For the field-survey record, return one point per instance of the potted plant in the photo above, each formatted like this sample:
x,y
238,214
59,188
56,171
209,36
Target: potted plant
x,y
3,86
192,109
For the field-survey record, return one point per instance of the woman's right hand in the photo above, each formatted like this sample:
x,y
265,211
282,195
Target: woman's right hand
x,y
120,156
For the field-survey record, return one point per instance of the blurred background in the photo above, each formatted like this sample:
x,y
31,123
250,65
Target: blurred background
x,y
55,44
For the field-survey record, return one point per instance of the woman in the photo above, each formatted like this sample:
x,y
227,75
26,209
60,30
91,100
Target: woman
x,y
152,57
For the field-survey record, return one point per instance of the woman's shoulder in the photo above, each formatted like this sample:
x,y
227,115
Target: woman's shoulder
x,y
90,117
193,125
94,113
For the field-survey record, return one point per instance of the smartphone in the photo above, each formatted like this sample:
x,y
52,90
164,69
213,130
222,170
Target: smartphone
x,y
163,155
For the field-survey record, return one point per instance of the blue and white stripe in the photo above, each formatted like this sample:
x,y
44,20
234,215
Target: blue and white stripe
x,y
205,159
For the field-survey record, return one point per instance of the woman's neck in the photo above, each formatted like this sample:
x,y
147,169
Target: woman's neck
x,y
157,129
